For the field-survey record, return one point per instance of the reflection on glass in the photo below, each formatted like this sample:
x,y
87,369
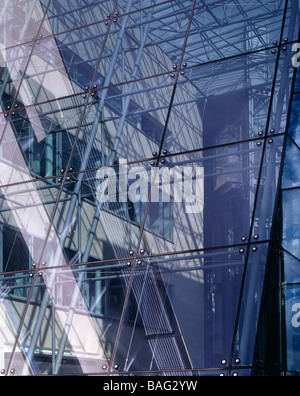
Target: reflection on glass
x,y
211,195
247,30
185,313
249,312
71,320
291,221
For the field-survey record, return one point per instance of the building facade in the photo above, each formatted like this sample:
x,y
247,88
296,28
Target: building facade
x,y
150,185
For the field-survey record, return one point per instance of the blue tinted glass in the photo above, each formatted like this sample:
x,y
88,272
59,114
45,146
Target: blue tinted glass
x,y
291,221
186,311
291,172
294,129
249,312
211,191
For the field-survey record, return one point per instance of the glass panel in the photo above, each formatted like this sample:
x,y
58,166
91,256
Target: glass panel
x,y
281,100
210,196
100,214
268,188
134,117
38,140
13,62
291,221
222,102
292,22
185,311
25,212
291,171
14,291
63,65
227,28
20,21
291,268
251,304
145,43
71,320
294,129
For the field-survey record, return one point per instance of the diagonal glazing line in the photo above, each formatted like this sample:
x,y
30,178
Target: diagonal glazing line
x,y
36,332
149,199
265,203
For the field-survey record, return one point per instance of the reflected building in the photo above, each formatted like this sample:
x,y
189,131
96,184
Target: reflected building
x,y
149,175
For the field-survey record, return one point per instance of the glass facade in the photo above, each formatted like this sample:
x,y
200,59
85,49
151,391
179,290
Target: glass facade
x,y
150,187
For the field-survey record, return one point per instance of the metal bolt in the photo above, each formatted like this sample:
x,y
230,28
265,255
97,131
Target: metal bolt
x,y
128,264
116,367
165,151
258,144
244,239
104,367
256,236
272,130
152,163
40,273
274,51
2,371
254,249
12,371
242,250
131,253
142,251
224,361
34,265
162,161
154,153
44,263
140,262
235,375
271,141
237,361
31,275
